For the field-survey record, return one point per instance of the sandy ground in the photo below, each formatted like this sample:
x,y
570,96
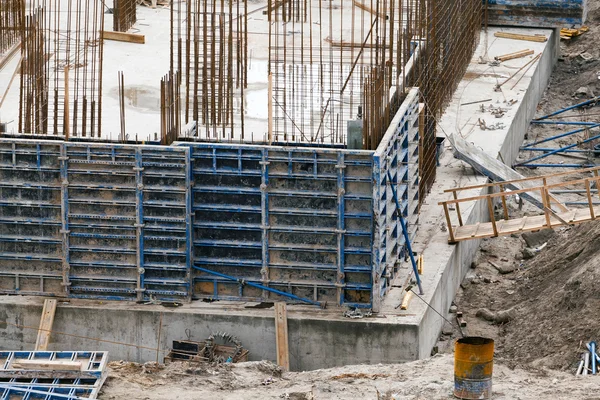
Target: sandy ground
x,y
426,379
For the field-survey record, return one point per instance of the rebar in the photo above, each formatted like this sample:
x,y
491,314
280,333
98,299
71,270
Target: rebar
x,y
68,51
124,15
170,108
12,15
210,58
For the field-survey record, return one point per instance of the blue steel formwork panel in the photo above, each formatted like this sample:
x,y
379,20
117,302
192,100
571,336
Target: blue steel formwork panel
x,y
397,153
31,383
31,249
538,13
296,220
130,222
94,220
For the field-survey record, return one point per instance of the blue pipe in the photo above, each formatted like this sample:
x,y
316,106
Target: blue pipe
x,y
256,285
405,233
593,357
595,354
564,151
556,165
585,103
563,123
559,150
558,136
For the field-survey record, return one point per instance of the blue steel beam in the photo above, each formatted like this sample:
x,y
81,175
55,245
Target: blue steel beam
x,y
406,238
558,150
243,282
578,105
562,135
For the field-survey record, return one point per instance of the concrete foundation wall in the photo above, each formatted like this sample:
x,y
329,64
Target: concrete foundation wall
x,y
313,342
460,256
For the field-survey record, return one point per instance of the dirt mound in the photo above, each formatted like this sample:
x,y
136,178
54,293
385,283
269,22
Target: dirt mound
x,y
558,301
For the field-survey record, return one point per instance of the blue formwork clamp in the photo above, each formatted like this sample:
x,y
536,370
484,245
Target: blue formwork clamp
x,y
406,237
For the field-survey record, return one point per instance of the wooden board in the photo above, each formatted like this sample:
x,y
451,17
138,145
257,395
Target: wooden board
x,y
519,225
497,171
47,365
281,336
123,37
46,322
515,36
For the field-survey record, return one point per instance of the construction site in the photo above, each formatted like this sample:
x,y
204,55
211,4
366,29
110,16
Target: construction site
x,y
299,199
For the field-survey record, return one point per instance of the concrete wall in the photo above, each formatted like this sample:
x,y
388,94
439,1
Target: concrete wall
x,y
460,256
314,342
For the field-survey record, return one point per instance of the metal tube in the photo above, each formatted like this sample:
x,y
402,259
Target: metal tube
x,y
405,233
563,123
596,354
555,165
562,151
579,368
586,363
585,103
268,289
593,356
559,150
559,136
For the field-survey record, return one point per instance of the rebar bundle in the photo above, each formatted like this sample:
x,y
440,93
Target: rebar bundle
x,y
71,54
209,51
449,33
170,108
317,72
11,23
124,15
33,110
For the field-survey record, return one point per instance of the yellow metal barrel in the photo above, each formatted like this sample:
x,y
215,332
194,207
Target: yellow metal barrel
x,y
473,365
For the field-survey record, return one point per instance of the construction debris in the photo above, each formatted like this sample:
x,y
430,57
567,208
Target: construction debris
x,y
590,361
568,34
229,351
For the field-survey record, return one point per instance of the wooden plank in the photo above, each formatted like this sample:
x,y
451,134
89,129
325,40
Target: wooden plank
x,y
532,178
558,217
123,37
525,224
516,54
281,336
369,9
406,300
516,36
46,322
47,365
